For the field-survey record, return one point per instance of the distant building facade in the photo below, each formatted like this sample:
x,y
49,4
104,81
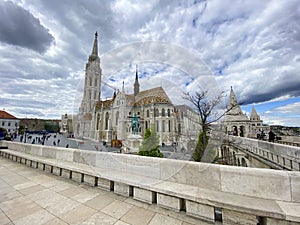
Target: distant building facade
x,y
34,124
111,119
9,122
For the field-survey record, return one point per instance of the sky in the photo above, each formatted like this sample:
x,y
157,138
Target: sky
x,y
253,46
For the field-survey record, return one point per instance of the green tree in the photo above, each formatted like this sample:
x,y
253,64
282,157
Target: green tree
x,y
21,129
200,147
150,144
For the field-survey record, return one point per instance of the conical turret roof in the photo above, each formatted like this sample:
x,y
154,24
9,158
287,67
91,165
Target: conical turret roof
x,y
254,115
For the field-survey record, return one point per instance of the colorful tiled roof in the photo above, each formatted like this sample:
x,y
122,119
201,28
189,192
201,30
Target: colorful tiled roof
x,y
152,96
6,115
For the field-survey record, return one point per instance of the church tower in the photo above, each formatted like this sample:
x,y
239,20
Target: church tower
x,y
91,93
136,83
92,82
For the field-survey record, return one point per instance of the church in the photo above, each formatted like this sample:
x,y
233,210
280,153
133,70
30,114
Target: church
x,y
110,120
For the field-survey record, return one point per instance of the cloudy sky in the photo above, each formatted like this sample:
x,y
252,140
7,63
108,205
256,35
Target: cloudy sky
x,y
253,46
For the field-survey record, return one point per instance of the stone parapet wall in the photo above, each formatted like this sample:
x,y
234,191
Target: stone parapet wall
x,y
250,182
214,193
279,149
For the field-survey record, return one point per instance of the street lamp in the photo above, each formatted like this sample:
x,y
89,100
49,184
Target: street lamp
x,y
26,128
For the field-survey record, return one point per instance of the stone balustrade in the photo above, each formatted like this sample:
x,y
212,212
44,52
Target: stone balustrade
x,y
232,195
287,157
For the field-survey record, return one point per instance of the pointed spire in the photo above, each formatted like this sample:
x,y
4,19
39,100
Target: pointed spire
x,y
136,72
233,104
136,83
95,46
254,115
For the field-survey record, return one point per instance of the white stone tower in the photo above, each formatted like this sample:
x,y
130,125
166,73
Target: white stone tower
x,y
91,94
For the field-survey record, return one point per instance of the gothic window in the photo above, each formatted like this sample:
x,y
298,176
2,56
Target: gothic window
x,y
146,124
156,113
169,114
169,126
179,128
91,81
117,117
148,113
157,126
90,94
163,112
98,120
106,121
163,126
96,82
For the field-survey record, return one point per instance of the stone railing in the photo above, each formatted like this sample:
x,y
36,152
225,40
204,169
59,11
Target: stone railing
x,y
228,194
286,157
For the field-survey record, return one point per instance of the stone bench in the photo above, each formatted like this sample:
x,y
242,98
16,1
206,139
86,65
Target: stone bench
x,y
169,192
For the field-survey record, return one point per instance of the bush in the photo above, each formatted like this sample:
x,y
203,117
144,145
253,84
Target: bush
x,y
150,145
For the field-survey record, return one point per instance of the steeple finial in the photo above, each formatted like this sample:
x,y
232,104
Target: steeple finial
x,y
95,46
136,87
123,88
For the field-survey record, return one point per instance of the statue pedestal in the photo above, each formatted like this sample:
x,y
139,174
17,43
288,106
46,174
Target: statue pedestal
x,y
133,143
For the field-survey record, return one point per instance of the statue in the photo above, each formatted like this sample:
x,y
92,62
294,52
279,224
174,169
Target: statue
x,y
135,124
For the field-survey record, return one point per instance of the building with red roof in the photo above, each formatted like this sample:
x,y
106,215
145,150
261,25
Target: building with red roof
x,y
9,122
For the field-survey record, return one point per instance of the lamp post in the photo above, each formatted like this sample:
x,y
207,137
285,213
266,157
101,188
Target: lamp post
x,y
26,128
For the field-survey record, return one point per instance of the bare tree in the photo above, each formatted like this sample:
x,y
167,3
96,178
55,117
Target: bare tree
x,y
206,108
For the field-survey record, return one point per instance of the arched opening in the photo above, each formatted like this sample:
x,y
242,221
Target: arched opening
x,y
163,112
169,113
156,113
244,164
238,162
235,130
106,121
146,124
242,131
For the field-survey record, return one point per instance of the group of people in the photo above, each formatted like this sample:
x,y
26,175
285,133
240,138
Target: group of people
x,y
271,136
41,139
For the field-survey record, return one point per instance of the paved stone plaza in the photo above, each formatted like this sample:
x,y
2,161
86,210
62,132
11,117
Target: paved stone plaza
x,y
30,196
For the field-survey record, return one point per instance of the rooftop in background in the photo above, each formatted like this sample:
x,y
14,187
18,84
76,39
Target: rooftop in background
x,y
6,115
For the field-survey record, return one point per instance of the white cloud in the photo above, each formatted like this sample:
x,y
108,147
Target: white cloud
x,y
250,45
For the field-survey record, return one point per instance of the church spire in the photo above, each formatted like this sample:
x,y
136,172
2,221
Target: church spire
x,y
95,46
136,83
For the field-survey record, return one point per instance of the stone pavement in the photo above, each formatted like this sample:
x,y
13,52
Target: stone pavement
x,y
30,196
